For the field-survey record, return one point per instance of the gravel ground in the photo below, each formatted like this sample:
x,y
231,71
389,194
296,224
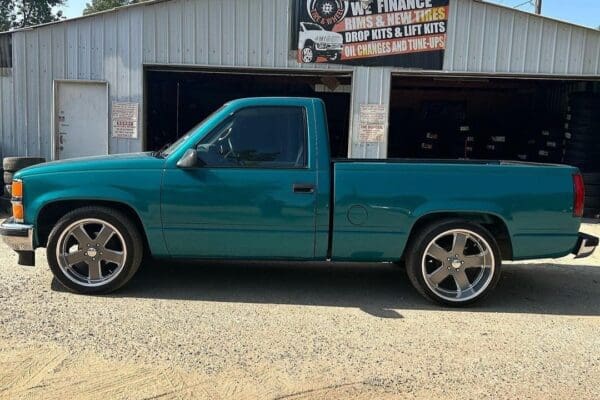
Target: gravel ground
x,y
276,331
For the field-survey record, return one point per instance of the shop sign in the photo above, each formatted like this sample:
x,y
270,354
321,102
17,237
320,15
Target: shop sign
x,y
373,121
124,120
401,33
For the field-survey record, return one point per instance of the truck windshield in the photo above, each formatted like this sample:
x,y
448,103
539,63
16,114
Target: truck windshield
x,y
173,147
313,27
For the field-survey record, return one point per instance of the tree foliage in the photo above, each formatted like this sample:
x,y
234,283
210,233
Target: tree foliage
x,y
102,5
6,15
22,13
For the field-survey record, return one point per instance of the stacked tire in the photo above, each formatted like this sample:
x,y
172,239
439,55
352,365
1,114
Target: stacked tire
x,y
582,133
464,142
495,147
550,146
582,127
592,194
10,166
431,145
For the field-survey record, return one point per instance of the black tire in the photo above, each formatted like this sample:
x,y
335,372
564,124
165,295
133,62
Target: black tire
x,y
592,202
591,179
593,213
134,247
14,164
583,145
592,191
581,137
415,254
308,54
580,154
8,177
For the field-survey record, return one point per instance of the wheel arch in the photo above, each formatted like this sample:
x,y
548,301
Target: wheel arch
x,y
308,42
495,224
52,212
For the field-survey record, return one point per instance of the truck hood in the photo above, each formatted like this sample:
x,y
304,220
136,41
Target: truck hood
x,y
96,163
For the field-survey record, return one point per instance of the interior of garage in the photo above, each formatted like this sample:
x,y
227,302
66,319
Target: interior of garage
x,y
550,121
178,99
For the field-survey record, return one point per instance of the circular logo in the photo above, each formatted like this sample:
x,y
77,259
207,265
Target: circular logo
x,y
91,252
327,13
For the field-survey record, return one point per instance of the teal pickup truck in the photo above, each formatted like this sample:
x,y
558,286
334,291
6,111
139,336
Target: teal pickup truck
x,y
255,181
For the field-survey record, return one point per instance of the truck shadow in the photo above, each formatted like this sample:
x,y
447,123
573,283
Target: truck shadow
x,y
380,290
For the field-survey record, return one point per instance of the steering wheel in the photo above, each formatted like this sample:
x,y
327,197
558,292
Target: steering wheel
x,y
220,143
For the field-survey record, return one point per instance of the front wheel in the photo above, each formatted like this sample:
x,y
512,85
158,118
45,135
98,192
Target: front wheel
x,y
308,54
94,250
454,262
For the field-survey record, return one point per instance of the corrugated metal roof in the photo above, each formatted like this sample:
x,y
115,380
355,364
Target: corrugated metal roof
x,y
151,2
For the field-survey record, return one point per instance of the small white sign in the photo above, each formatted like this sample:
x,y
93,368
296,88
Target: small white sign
x,y
373,122
125,120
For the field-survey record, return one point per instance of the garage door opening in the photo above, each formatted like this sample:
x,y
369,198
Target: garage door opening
x,y
549,121
177,100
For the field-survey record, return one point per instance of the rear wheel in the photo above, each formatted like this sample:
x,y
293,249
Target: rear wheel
x,y
454,262
94,250
334,57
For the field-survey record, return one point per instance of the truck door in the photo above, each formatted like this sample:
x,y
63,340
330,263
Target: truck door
x,y
252,194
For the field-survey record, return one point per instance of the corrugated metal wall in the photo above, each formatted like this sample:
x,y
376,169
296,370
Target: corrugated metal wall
x,y
106,47
488,38
7,113
251,33
248,33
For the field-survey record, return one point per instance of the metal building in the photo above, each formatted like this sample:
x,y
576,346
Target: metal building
x,y
62,83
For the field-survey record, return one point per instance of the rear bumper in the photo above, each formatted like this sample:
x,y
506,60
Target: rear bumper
x,y
586,245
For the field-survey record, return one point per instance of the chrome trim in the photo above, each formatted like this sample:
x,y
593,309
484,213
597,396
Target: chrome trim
x,y
586,245
18,237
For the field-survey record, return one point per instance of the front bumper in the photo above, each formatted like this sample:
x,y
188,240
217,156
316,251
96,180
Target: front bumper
x,y
586,245
328,47
19,237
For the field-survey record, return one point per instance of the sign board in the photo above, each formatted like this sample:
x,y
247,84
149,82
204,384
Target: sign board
x,y
125,120
401,33
373,121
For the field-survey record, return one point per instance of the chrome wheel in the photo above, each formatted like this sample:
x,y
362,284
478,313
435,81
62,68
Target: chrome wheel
x,y
458,265
307,55
91,252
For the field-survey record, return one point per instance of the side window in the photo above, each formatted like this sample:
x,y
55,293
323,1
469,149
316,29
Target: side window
x,y
258,137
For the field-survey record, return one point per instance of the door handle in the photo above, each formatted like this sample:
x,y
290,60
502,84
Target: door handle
x,y
306,188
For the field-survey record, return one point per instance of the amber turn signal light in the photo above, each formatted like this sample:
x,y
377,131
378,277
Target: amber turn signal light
x,y
17,189
17,210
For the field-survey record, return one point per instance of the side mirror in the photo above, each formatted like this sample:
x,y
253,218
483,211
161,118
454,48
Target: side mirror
x,y
189,159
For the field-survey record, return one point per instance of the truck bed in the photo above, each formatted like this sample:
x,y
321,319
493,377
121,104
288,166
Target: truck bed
x,y
377,203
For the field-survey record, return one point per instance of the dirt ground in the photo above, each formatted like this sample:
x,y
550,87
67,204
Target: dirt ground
x,y
277,331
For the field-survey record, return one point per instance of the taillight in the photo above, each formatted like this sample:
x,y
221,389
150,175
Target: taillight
x,y
579,198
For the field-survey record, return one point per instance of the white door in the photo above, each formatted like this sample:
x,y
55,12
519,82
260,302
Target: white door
x,y
80,119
